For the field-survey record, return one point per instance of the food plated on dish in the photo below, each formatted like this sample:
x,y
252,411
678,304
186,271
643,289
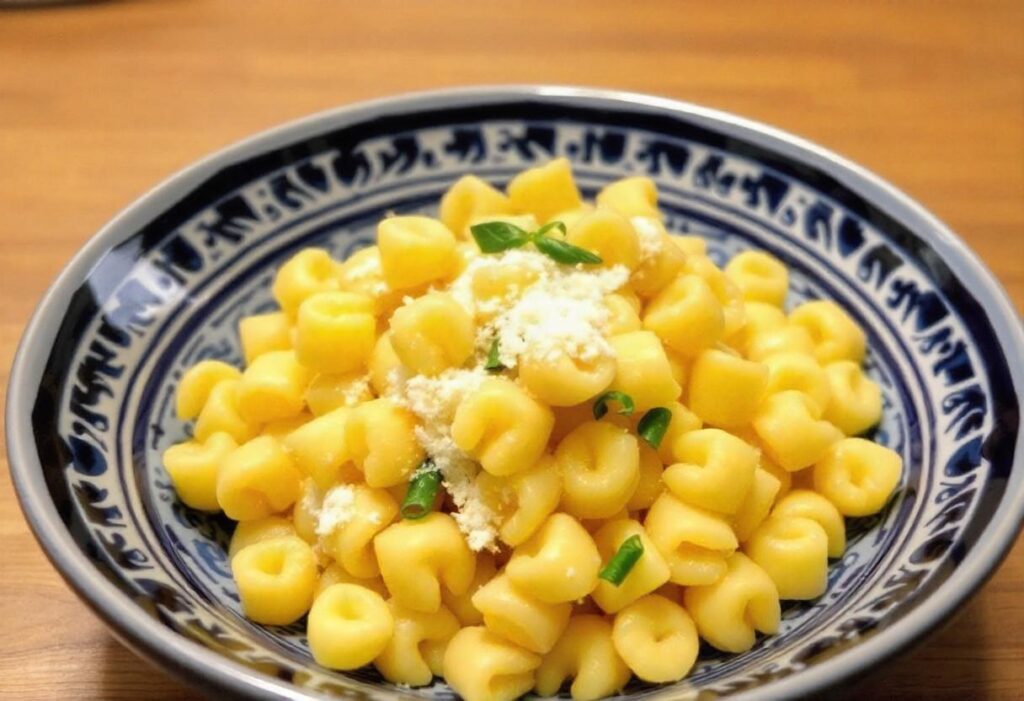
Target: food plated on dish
x,y
404,374
534,440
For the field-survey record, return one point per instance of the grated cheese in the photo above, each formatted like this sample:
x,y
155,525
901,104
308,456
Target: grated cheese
x,y
356,390
648,233
336,509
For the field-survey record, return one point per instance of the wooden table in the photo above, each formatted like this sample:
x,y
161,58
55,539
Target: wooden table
x,y
100,101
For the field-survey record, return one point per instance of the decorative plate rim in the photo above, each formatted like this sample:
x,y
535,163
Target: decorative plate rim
x,y
192,663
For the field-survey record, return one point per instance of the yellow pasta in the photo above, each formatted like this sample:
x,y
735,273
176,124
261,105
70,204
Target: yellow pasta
x,y
657,270
516,616
559,564
336,574
415,651
432,333
642,370
858,476
796,371
686,315
273,387
469,198
462,604
650,485
335,332
725,390
276,579
545,190
523,500
856,401
715,470
307,272
760,277
808,504
794,552
567,381
656,638
608,234
836,336
600,466
758,504
649,573
249,532
194,466
586,654
329,392
482,666
262,333
221,414
415,251
319,450
631,197
349,626
380,439
788,338
197,383
257,479
792,431
351,543
694,543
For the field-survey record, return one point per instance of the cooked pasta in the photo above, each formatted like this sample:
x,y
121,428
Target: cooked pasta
x,y
534,441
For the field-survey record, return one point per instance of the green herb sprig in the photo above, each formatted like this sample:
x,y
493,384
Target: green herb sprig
x,y
653,425
422,490
623,561
625,402
493,362
498,236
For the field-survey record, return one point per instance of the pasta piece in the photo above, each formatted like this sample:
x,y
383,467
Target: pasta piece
x,y
276,579
796,371
600,465
856,402
256,480
559,564
516,616
319,450
624,316
695,544
608,234
787,339
858,476
683,421
760,277
481,666
329,392
309,271
545,190
471,198
691,245
792,431
415,651
808,504
197,383
725,390
336,574
380,440
502,427
760,318
631,197
249,532
193,468
728,612
585,653
462,604
349,626
650,485
335,332
686,315
656,638
306,512
383,362
835,335
432,333
417,557
273,388
523,500
758,504
566,381
794,552
415,251
263,333
724,290
649,572
715,470
351,542
642,370
362,274
220,414
658,269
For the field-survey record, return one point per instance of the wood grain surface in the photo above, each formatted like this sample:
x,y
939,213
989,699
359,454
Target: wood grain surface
x,y
99,101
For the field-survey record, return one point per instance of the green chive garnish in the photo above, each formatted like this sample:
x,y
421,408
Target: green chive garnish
x,y
626,405
498,236
419,497
622,562
653,425
493,363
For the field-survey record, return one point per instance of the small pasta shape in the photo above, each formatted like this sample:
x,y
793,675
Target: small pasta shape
x,y
523,500
796,371
691,245
624,316
306,511
309,271
415,251
193,468
273,387
608,234
835,335
656,638
516,616
686,316
502,427
758,504
381,441
263,333
462,604
197,383
349,626
351,543
715,470
257,479
559,564
249,532
362,274
276,579
329,392
657,269
471,198
545,190
649,572
694,543
760,277
336,574
858,476
650,485
432,333
335,332
382,363
482,666
856,401
642,370
725,390
600,466
417,557
683,421
319,450
586,654
729,612
631,197
760,318
724,290
794,552
220,414
792,431
566,381
787,339
415,651
807,504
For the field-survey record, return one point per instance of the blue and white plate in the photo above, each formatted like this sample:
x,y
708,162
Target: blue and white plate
x,y
163,285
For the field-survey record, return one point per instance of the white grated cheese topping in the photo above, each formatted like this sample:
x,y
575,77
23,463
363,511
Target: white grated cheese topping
x,y
356,390
336,509
648,233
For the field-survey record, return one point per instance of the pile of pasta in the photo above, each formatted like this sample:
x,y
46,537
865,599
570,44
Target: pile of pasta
x,y
670,480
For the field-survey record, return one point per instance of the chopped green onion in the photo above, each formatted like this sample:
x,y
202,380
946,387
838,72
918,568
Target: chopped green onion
x,y
622,562
423,488
624,400
498,236
653,425
493,359
564,252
